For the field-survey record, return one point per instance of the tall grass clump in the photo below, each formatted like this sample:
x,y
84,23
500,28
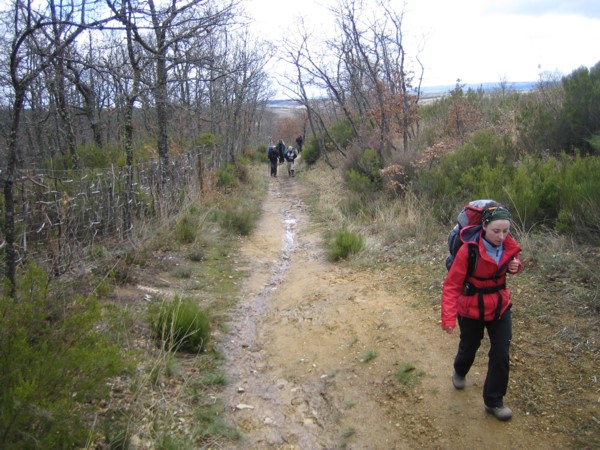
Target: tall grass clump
x,y
186,229
180,325
239,216
226,177
55,361
345,244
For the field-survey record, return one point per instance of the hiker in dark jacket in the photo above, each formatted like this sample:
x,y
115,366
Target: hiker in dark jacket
x,y
482,301
299,142
281,150
273,156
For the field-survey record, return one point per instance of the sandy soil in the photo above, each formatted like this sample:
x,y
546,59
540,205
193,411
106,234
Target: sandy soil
x,y
314,350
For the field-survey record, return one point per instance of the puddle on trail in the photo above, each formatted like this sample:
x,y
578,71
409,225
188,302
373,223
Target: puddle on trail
x,y
245,317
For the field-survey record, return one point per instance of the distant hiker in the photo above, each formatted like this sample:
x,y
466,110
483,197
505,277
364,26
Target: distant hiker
x,y
290,155
273,156
281,150
299,142
479,299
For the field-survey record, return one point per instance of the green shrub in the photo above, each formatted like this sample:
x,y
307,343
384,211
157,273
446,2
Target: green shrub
x,y
479,169
55,362
346,243
239,217
205,140
363,175
578,189
226,177
358,182
560,192
311,152
180,325
342,132
533,193
261,154
186,229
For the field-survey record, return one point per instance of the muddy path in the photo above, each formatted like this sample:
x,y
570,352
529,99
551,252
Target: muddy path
x,y
321,356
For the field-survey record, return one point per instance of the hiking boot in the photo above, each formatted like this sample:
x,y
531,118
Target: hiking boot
x,y
500,412
458,381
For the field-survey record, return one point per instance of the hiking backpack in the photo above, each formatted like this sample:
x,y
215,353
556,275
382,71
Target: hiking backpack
x,y
272,153
470,215
290,155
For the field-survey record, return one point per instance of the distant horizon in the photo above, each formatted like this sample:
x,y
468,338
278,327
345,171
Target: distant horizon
x,y
485,84
444,88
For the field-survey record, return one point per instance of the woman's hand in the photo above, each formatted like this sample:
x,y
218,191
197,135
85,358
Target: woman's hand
x,y
513,266
449,330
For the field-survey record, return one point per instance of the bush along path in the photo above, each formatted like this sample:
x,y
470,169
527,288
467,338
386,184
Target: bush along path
x,y
319,355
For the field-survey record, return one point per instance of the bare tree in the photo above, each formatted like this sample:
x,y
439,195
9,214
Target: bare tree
x,y
28,28
158,28
364,73
83,74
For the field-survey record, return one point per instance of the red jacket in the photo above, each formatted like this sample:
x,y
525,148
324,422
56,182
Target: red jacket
x,y
487,274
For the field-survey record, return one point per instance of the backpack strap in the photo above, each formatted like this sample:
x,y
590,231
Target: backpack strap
x,y
473,257
469,289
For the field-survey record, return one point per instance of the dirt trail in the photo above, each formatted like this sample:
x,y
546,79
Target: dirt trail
x,y
298,343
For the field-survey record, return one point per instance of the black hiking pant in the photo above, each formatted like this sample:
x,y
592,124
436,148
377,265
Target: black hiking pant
x,y
273,167
500,334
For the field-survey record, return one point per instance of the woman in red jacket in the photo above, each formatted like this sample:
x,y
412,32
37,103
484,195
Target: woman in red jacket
x,y
480,300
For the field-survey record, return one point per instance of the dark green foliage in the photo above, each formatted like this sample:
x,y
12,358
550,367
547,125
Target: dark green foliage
x,y
581,107
579,199
562,117
363,174
532,191
229,176
226,177
342,133
186,229
205,140
54,362
180,325
537,125
479,169
345,244
90,157
561,192
339,135
311,152
260,154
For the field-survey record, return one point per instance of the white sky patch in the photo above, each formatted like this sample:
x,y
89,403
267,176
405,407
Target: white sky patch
x,y
478,42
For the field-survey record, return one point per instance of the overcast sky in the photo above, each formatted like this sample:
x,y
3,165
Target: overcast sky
x,y
477,41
